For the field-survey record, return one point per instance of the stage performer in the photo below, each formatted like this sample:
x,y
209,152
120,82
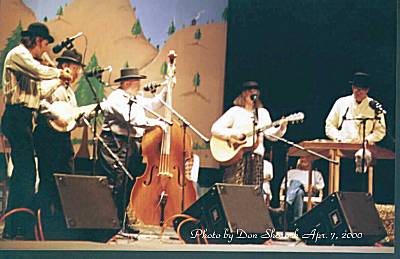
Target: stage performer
x,y
22,91
230,125
341,126
124,115
53,148
355,106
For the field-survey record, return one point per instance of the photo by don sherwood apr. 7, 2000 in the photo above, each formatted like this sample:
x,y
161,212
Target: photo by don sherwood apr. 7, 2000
x,y
221,126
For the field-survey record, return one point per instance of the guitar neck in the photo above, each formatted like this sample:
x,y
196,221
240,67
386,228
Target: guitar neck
x,y
258,130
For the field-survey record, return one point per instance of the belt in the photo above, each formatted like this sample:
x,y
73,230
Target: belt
x,y
110,133
19,106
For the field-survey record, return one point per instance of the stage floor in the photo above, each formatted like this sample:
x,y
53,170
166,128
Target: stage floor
x,y
149,240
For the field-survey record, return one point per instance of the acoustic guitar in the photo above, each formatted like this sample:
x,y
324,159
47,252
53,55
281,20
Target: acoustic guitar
x,y
230,151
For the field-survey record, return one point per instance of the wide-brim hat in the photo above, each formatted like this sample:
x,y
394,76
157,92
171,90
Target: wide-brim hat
x,y
361,80
38,29
70,56
129,73
250,85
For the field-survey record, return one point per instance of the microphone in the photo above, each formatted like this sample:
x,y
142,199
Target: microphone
x,y
152,87
98,71
376,106
66,43
343,119
254,97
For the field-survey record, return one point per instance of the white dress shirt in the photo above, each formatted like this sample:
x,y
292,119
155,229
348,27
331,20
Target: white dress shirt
x,y
116,112
352,131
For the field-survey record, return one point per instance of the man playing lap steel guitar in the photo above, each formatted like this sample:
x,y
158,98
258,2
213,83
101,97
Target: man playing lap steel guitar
x,y
246,167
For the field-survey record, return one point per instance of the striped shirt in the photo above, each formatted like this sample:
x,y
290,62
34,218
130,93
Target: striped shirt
x,y
22,75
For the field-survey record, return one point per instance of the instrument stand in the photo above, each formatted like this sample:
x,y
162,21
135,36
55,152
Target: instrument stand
x,y
184,125
292,144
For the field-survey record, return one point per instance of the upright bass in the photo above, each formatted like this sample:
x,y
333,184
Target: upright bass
x,y
163,190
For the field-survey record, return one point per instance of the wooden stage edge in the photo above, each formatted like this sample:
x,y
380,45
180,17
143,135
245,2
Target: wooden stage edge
x,y
173,247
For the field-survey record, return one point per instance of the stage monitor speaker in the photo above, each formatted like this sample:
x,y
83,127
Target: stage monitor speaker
x,y
343,218
227,213
88,207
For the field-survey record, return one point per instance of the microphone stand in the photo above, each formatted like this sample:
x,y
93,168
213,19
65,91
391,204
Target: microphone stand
x,y
113,155
254,137
184,125
130,102
134,100
96,114
363,122
311,152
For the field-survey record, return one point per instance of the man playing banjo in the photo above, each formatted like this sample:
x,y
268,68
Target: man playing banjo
x,y
53,147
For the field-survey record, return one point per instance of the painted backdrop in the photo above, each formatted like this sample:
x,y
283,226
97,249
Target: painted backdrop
x,y
137,33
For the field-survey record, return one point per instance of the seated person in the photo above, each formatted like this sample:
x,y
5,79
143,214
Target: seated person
x,y
298,185
268,172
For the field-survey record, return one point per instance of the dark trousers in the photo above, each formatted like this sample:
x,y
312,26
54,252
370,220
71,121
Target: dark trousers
x,y
351,181
17,127
121,184
55,155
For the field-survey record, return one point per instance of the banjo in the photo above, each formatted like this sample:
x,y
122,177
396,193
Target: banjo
x,y
66,116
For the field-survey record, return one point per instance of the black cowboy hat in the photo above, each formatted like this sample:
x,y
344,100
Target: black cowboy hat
x,y
250,85
360,79
71,56
129,73
38,29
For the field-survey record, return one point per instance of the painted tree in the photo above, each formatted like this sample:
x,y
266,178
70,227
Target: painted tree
x,y
197,35
126,64
137,28
171,28
196,81
60,11
225,14
45,19
83,93
12,41
164,68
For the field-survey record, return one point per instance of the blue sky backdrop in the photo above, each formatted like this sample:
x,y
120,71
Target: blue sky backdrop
x,y
155,15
